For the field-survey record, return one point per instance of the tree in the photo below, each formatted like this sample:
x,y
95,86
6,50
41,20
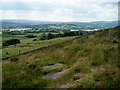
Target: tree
x,y
31,36
50,36
11,42
43,37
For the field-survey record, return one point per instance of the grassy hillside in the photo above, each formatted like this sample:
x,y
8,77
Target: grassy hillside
x,y
91,62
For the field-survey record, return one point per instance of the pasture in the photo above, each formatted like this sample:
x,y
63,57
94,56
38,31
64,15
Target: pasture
x,y
28,44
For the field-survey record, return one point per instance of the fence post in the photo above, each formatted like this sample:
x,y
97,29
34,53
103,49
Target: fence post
x,y
109,36
79,32
19,51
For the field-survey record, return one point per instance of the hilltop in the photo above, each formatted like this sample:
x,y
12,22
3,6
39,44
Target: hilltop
x,y
88,61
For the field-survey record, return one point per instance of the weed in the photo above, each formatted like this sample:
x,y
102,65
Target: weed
x,y
76,77
32,66
14,59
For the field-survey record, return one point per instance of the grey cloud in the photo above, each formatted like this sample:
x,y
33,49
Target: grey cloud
x,y
26,6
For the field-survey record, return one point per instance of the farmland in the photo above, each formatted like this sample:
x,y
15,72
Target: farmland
x,y
88,61
28,44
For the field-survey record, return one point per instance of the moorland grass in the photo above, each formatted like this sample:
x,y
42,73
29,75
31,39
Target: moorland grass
x,y
92,62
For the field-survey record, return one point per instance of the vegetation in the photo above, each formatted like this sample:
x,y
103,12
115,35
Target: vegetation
x,y
11,42
50,36
43,37
92,61
28,44
65,34
30,36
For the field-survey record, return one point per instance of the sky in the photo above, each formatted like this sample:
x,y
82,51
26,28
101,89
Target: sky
x,y
60,10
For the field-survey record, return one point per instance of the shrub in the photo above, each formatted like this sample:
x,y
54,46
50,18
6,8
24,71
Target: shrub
x,y
95,63
11,42
77,69
43,37
50,36
31,36
35,40
59,35
114,41
76,77
32,66
13,59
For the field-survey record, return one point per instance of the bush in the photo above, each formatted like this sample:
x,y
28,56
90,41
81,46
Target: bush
x,y
13,59
77,70
11,42
32,66
72,34
31,36
50,36
114,41
43,37
95,63
35,40
59,35
76,78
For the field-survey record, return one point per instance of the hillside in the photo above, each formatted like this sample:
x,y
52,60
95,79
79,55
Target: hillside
x,y
89,61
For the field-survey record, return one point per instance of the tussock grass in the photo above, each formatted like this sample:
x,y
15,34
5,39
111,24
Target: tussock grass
x,y
92,61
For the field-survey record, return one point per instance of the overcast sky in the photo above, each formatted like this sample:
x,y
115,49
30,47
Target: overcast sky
x,y
60,10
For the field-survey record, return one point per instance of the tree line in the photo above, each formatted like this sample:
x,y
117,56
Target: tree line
x,y
65,34
43,36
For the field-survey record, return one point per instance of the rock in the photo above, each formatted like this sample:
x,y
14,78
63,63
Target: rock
x,y
58,74
64,86
52,66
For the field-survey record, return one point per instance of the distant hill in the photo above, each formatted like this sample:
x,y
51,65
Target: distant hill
x,y
32,23
97,23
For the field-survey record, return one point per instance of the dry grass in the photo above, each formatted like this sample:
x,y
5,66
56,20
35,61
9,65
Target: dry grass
x,y
93,62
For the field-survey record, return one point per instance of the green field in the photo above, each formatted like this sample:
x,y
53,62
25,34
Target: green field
x,y
27,44
91,61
